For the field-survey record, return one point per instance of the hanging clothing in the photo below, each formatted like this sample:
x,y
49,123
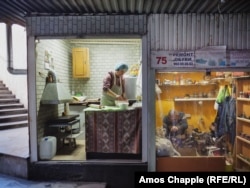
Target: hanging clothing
x,y
225,120
223,93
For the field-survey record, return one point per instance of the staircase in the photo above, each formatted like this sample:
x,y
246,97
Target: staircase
x,y
12,112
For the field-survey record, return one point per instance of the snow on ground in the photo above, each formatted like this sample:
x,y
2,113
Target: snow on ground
x,y
13,182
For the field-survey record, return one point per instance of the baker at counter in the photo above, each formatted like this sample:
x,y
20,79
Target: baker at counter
x,y
113,85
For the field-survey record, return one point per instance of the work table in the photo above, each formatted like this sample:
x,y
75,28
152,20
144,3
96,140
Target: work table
x,y
85,102
112,132
78,103
108,109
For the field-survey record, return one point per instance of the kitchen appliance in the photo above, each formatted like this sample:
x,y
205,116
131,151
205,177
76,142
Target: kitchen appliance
x,y
54,92
130,87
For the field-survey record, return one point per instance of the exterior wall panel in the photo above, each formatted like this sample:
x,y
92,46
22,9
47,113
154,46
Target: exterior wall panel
x,y
194,31
84,25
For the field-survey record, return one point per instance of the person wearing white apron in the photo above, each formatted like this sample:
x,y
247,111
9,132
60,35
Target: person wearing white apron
x,y
113,86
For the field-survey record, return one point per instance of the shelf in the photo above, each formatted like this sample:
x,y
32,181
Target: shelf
x,y
64,119
64,124
243,99
243,139
175,85
241,77
74,135
243,119
243,160
193,99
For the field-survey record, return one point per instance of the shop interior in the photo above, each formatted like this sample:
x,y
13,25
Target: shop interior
x,y
66,121
216,108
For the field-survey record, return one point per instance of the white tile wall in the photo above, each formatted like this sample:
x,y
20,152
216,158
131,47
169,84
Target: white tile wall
x,y
103,58
61,53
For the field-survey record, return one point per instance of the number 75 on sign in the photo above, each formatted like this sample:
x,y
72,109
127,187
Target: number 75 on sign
x,y
159,59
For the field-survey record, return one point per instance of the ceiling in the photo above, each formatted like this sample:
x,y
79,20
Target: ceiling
x,y
15,11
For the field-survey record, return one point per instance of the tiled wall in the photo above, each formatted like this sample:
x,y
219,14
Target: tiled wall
x,y
103,58
61,53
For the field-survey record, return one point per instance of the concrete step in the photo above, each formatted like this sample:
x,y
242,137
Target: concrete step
x,y
12,111
4,89
14,152
7,101
6,96
14,124
2,85
14,117
13,166
7,92
11,106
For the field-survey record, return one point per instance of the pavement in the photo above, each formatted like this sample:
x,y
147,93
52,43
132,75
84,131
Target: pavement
x,y
15,142
14,182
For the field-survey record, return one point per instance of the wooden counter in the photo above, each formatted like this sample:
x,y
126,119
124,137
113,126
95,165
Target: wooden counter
x,y
113,133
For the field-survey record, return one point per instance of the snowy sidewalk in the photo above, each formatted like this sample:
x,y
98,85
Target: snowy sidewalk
x,y
13,182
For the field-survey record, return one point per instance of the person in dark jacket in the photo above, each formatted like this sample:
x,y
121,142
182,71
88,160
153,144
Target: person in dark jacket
x,y
175,123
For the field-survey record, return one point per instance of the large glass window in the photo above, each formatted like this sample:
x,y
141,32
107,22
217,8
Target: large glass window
x,y
192,95
200,114
83,140
3,43
19,46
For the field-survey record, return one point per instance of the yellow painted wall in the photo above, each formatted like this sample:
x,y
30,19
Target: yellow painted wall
x,y
197,109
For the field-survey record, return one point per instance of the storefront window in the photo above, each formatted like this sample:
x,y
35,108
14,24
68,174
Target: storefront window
x,y
196,113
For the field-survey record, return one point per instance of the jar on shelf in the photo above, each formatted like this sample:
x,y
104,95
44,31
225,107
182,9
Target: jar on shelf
x,y
241,94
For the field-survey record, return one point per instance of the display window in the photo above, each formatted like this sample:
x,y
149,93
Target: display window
x,y
199,114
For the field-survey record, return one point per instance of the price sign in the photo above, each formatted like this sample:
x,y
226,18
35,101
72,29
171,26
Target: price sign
x,y
161,59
